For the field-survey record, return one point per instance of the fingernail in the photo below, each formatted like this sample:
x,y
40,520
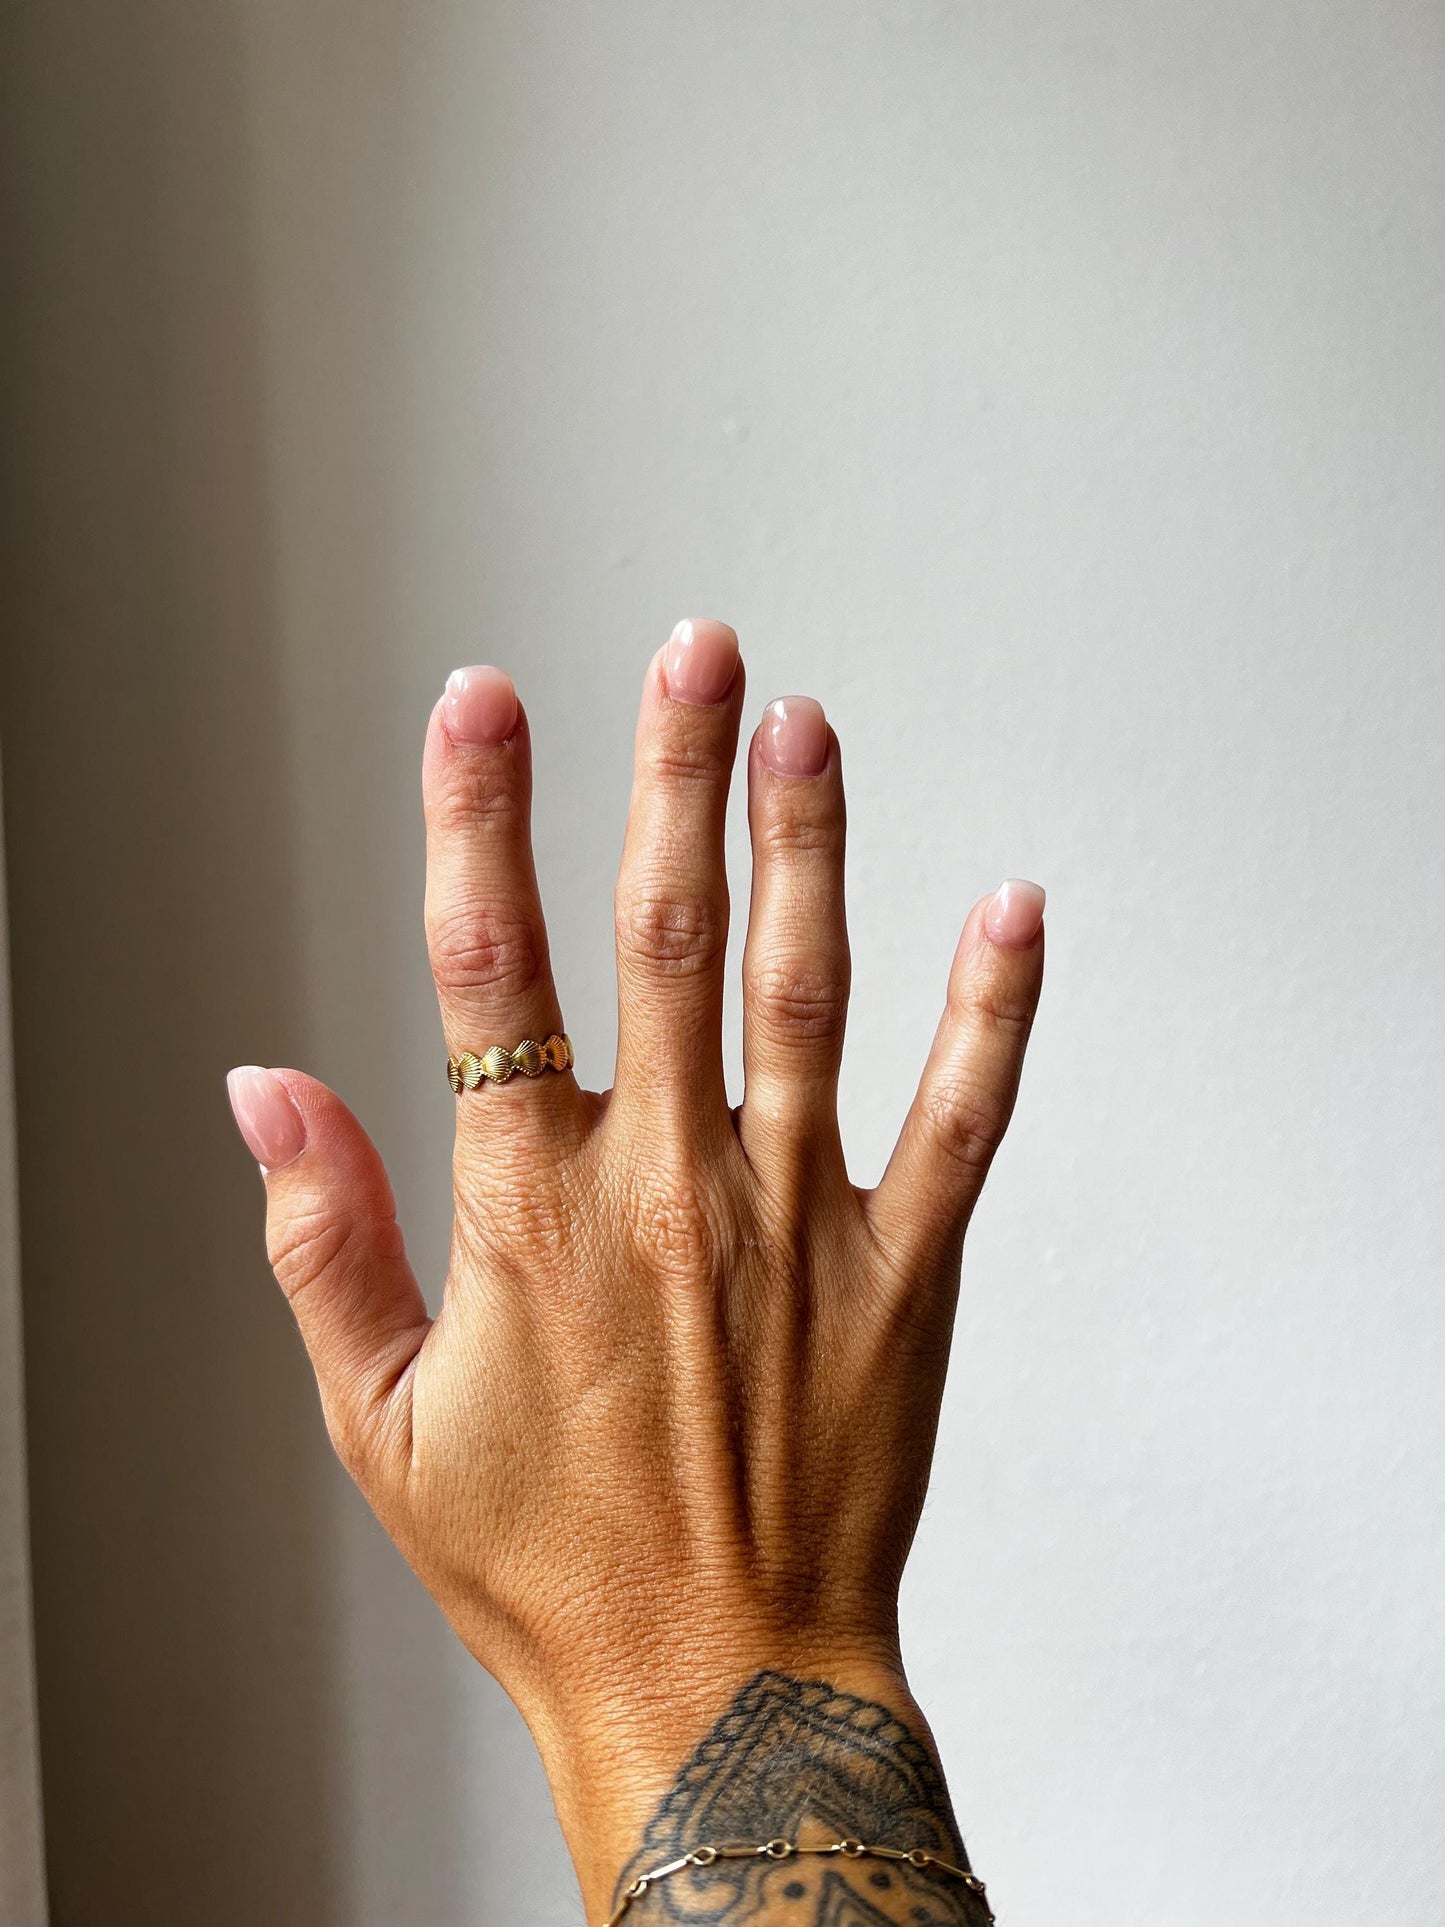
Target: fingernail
x,y
274,1130
794,740
1015,913
479,705
701,662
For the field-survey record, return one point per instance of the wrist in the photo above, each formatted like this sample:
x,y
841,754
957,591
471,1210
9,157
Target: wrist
x,y
737,1746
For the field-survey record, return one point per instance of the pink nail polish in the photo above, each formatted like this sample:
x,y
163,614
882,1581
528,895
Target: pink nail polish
x,y
794,738
274,1130
701,662
479,705
1015,914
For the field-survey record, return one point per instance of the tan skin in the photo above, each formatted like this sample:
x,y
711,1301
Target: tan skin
x,y
673,1423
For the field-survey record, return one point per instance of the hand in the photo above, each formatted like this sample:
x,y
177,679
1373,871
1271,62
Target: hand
x,y
672,1425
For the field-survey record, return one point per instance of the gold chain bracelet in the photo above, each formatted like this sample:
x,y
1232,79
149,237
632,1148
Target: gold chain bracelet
x,y
787,1850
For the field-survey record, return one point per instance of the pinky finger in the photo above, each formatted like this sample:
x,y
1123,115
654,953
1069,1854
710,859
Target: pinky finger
x,y
966,1097
337,1252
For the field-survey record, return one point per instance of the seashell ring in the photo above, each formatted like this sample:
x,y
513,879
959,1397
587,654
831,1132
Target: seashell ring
x,y
494,1066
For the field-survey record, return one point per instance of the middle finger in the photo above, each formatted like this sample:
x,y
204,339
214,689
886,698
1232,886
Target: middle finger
x,y
672,896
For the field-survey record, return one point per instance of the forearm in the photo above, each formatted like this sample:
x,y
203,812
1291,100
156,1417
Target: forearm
x,y
817,1759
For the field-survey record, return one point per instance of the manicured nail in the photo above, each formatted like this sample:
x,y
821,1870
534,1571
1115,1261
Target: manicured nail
x,y
274,1130
1015,914
794,740
701,662
480,705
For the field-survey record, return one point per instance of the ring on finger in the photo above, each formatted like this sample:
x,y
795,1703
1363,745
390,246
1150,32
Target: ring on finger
x,y
470,1070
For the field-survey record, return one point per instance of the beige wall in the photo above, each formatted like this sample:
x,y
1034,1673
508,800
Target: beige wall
x,y
178,1492
1053,390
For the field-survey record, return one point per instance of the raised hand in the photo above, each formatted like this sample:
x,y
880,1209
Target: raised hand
x,y
661,1454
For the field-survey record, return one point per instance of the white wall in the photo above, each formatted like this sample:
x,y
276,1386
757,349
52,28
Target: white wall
x,y
1054,391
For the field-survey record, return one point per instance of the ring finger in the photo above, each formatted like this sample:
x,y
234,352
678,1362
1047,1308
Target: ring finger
x,y
796,964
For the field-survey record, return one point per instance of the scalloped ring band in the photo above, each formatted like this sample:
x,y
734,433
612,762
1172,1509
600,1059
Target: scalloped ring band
x,y
469,1071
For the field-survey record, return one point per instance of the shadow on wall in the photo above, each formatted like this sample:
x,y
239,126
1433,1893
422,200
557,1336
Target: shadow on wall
x,y
176,1458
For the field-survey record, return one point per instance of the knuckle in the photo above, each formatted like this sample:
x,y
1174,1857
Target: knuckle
x,y
484,793
789,1003
678,1228
669,935
994,1005
310,1244
965,1121
536,1215
476,949
796,832
682,755
351,1436
368,1433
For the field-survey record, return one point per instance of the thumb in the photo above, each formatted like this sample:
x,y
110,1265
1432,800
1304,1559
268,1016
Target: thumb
x,y
337,1251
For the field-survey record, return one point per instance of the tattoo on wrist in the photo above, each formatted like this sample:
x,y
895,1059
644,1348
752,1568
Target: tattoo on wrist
x,y
800,1760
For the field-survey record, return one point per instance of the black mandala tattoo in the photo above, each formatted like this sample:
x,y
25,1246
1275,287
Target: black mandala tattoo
x,y
799,1759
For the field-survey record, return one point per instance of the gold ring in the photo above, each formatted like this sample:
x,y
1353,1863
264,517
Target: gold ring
x,y
495,1066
